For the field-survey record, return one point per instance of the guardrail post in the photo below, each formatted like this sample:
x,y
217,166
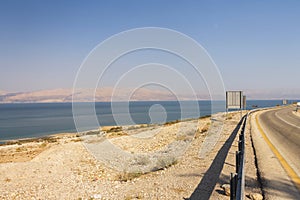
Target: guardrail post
x,y
241,137
237,161
233,185
240,145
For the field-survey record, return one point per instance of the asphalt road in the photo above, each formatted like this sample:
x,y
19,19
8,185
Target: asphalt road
x,y
282,127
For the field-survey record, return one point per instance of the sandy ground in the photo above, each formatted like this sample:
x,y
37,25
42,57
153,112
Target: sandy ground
x,y
67,167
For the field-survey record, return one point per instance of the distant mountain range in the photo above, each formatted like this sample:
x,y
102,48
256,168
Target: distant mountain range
x,y
124,94
87,95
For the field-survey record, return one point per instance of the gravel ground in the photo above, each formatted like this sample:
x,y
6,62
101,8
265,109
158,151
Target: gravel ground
x,y
69,169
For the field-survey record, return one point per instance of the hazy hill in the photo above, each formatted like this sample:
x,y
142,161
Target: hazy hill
x,y
125,94
84,95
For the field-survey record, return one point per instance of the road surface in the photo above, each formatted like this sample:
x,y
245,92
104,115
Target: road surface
x,y
283,130
276,138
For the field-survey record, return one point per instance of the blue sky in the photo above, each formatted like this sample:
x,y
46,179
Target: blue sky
x,y
255,44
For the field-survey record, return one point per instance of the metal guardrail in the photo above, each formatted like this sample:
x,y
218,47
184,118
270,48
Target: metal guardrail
x,y
237,180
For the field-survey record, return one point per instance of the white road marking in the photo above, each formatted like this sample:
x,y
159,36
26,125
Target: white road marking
x,y
286,121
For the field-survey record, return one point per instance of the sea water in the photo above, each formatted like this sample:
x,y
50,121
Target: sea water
x,y
40,119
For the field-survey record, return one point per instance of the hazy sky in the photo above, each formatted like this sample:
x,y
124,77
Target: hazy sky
x,y
255,44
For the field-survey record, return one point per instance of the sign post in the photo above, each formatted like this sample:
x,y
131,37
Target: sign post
x,y
244,102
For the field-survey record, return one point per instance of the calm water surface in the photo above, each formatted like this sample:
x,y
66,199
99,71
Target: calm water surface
x,y
39,119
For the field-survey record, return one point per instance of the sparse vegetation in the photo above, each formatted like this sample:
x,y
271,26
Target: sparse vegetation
x,y
144,125
43,145
76,140
115,129
141,160
202,130
171,122
50,139
134,127
229,116
128,176
179,190
205,127
190,133
7,179
92,132
138,196
205,116
165,162
182,137
19,149
116,134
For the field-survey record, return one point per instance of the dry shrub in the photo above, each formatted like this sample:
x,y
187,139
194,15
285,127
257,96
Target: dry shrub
x,y
205,127
77,140
115,129
171,122
164,162
229,116
182,138
128,176
205,116
116,134
141,160
7,179
131,197
43,145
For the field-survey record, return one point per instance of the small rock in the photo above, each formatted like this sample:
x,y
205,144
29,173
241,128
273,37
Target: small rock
x,y
226,188
96,196
12,194
255,196
95,179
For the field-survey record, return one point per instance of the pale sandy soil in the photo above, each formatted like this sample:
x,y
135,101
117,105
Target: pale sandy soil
x,y
65,168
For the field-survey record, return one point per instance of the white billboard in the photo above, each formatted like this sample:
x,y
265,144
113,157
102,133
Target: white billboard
x,y
234,99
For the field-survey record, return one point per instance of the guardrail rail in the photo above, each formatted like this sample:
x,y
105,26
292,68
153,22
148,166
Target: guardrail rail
x,y
237,179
